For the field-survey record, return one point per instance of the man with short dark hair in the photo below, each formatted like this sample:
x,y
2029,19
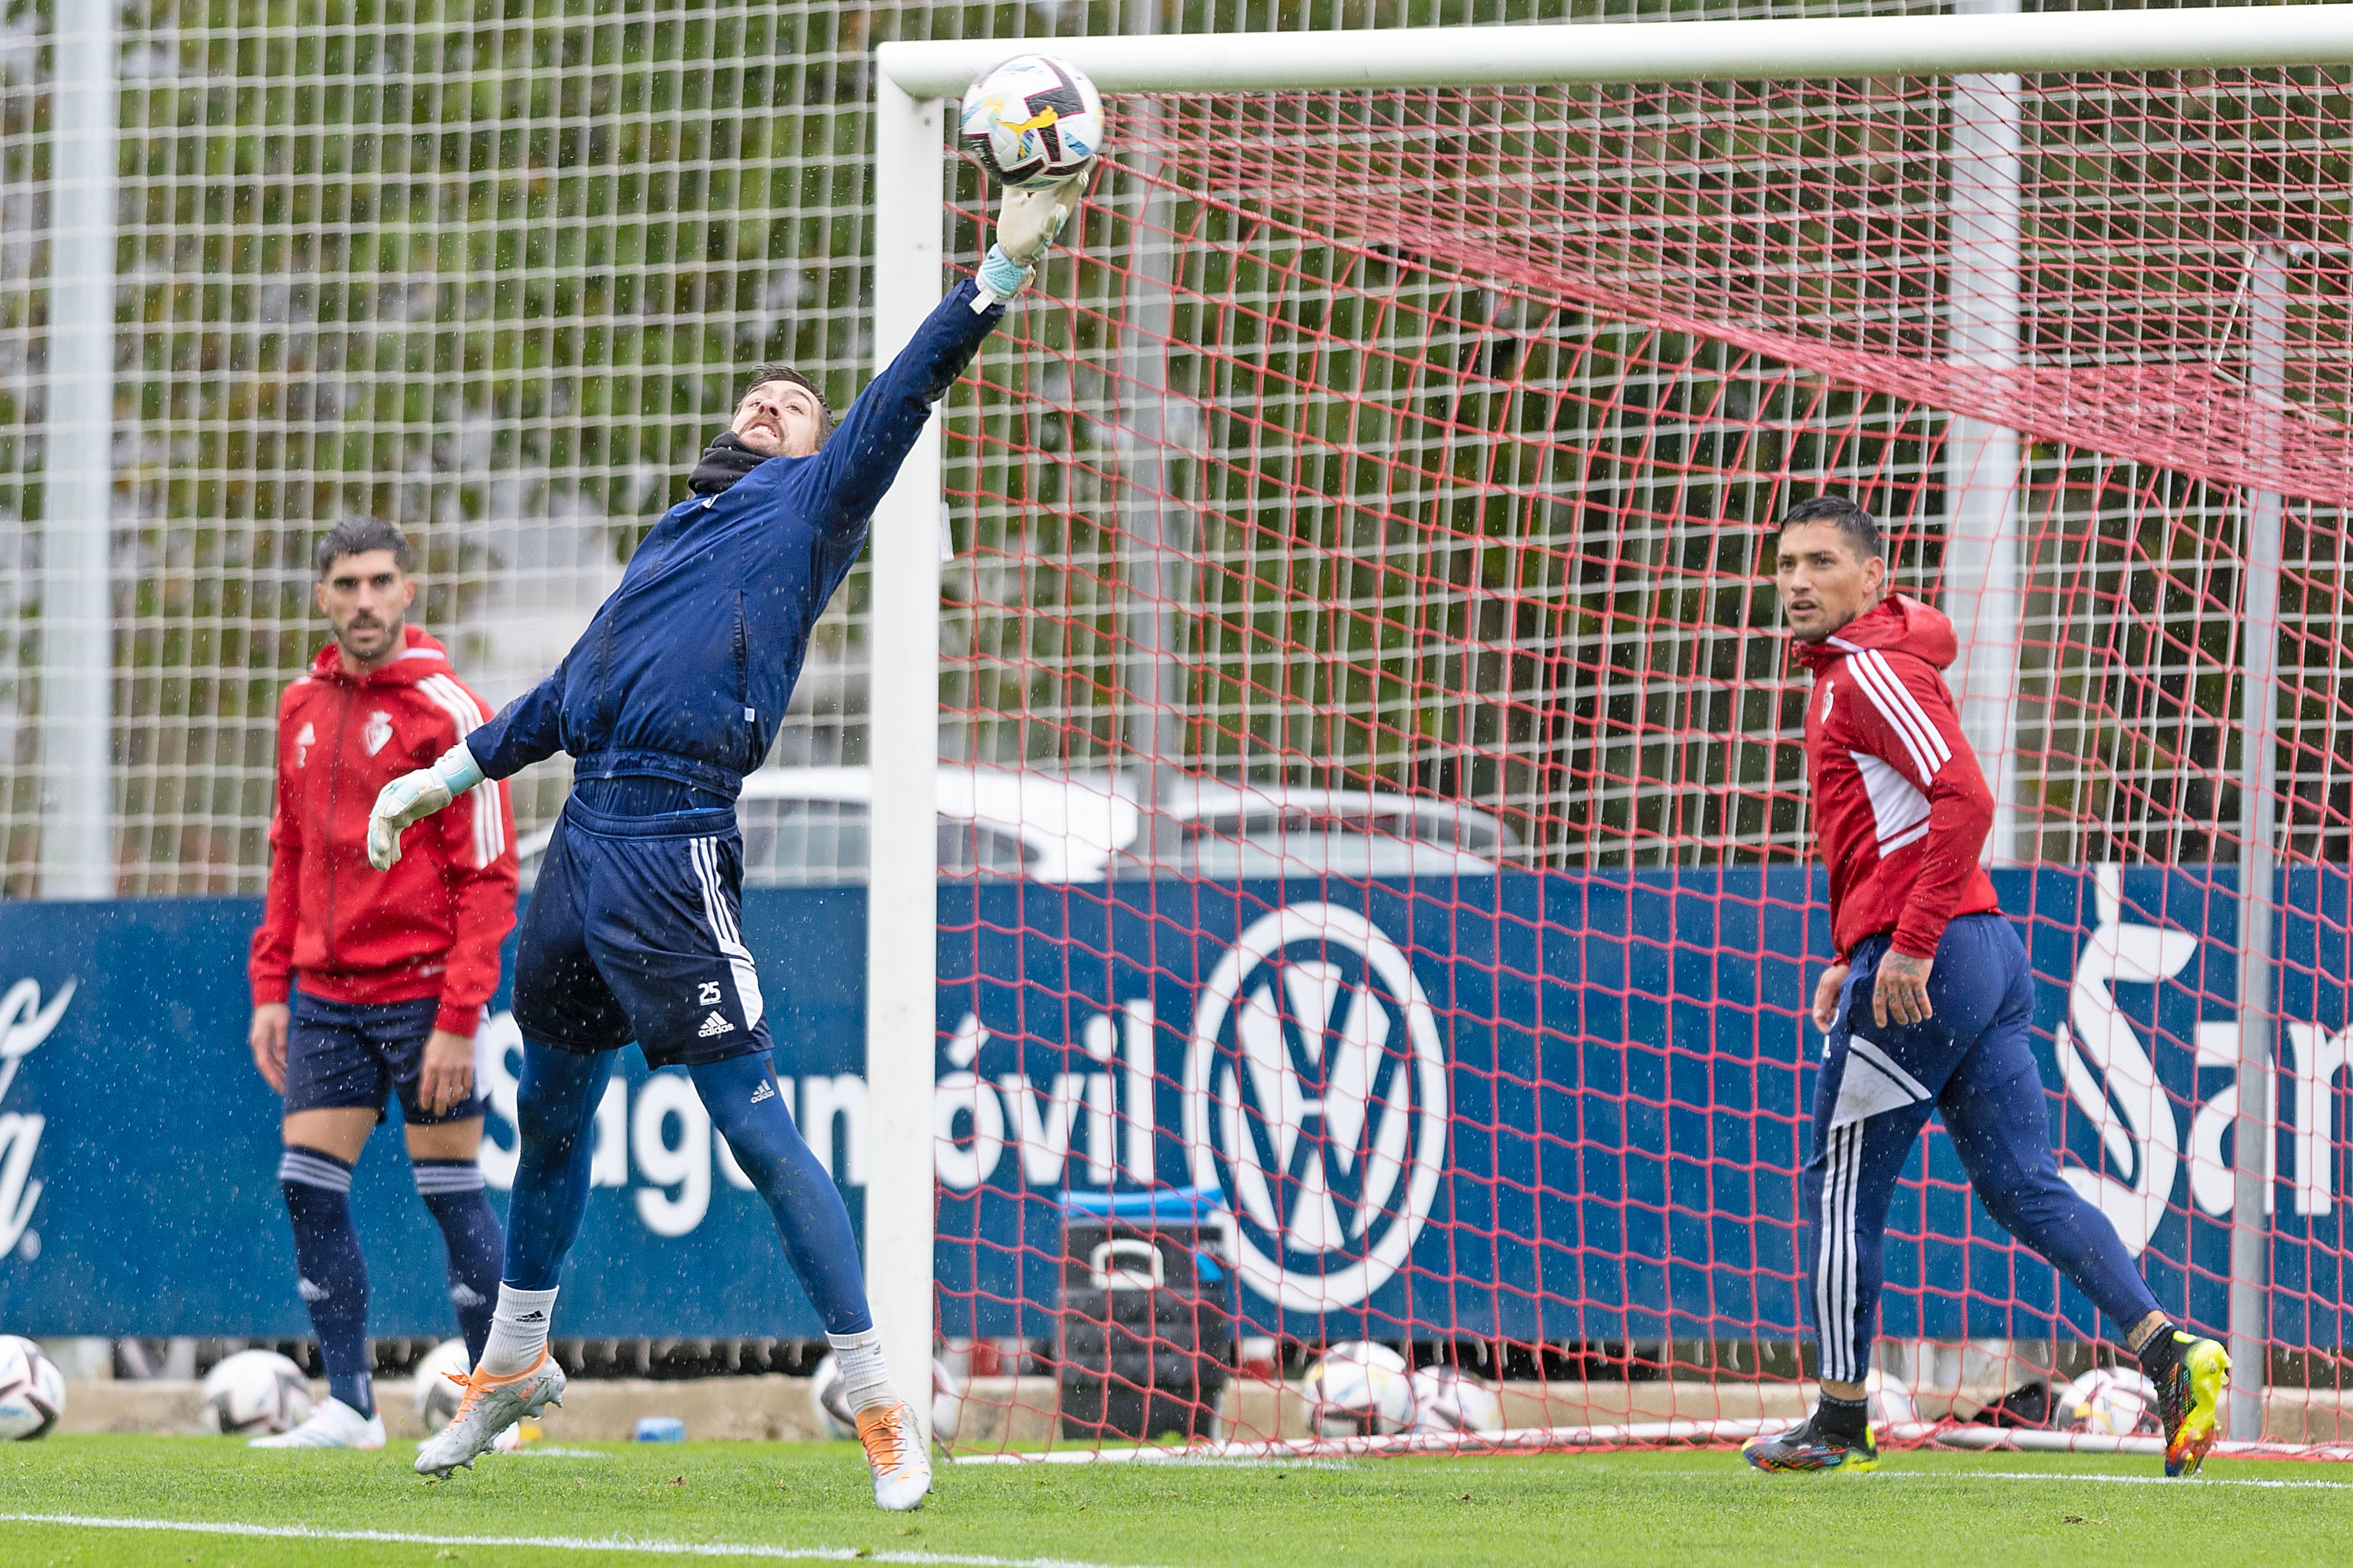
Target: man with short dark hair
x,y
668,699
369,984
1929,1002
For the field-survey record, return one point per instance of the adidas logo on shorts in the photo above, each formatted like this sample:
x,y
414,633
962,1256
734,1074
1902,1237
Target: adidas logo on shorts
x,y
715,1025
765,1091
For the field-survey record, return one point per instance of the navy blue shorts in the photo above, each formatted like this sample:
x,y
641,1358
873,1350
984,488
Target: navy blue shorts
x,y
634,932
356,1054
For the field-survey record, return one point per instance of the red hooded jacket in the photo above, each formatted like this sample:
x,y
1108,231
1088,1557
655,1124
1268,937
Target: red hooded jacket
x,y
431,926
1899,808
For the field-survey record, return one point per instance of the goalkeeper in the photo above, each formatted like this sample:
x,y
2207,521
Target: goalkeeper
x,y
671,695
1929,1002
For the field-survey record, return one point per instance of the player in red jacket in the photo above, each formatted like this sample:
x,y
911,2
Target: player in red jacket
x,y
1929,1002
371,983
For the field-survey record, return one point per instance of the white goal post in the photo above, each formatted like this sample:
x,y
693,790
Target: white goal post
x,y
913,81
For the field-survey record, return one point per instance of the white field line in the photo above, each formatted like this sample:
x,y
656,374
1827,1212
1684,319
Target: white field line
x,y
2111,1479
653,1548
1558,1439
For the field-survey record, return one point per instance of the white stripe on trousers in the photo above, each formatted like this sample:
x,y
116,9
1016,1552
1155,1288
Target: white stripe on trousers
x,y
1837,1258
704,853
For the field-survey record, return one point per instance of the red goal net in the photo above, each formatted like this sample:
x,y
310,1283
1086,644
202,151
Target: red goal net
x,y
1375,1015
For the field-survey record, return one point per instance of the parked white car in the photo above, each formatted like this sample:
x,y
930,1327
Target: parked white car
x,y
808,826
1228,831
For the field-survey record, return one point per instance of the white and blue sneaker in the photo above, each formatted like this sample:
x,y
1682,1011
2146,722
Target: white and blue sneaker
x,y
331,1425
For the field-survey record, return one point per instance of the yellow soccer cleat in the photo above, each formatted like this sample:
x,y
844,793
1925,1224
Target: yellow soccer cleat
x,y
2189,1398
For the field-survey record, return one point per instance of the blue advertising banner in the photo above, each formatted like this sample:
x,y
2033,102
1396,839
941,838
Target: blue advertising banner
x,y
1548,1107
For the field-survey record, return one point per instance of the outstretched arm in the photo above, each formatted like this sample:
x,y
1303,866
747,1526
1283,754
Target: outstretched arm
x,y
528,730
862,457
414,797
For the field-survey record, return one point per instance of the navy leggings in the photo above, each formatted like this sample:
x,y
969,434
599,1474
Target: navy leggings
x,y
1972,1062
555,1111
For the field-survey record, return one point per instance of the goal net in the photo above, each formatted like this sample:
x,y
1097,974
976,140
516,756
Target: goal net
x,y
1395,909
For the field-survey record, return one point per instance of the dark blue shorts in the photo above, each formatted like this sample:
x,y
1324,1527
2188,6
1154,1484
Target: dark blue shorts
x,y
634,932
348,1055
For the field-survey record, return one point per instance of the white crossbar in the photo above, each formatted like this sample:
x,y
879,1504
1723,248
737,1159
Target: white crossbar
x,y
1658,51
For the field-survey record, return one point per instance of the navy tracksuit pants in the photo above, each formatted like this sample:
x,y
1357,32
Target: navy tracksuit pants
x,y
1973,1063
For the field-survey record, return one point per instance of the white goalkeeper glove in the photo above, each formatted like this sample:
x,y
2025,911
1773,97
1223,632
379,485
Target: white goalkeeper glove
x,y
412,798
1027,223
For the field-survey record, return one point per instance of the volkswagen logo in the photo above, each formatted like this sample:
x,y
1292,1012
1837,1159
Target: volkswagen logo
x,y
1315,1096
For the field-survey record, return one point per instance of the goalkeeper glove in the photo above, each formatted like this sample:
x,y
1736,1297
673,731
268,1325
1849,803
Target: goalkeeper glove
x,y
412,798
1027,223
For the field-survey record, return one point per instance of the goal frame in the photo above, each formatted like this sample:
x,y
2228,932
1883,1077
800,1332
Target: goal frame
x,y
912,82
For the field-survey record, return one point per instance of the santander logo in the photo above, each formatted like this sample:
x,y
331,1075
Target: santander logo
x,y
24,1023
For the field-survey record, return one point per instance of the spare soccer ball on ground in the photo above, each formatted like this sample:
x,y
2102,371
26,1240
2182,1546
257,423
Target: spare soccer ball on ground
x,y
436,1395
1890,1404
32,1391
1358,1390
1444,1400
841,1423
1033,121
255,1392
2111,1401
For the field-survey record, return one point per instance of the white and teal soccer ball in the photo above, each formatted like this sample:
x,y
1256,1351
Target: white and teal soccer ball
x,y
32,1391
435,1396
2110,1401
1033,121
1889,1403
255,1392
841,1423
1444,1400
1359,1390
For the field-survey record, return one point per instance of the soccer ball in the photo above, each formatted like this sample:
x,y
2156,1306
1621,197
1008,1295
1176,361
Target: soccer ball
x,y
1359,1389
841,1423
947,1403
2110,1401
1033,121
255,1391
1446,1401
32,1391
435,1397
1890,1404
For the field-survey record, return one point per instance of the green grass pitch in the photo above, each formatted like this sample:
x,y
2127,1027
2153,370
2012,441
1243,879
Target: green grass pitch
x,y
756,1502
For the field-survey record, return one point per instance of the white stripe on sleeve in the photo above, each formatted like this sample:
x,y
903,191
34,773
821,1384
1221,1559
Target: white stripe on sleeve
x,y
1870,683
489,821
1931,739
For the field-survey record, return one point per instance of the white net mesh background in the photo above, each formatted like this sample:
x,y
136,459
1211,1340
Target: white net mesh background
x,y
492,279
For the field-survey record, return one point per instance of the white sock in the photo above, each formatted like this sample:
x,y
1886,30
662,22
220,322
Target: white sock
x,y
865,1381
518,1330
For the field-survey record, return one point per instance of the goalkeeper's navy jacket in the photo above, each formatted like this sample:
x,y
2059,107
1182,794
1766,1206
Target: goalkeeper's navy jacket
x,y
685,671
1900,806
